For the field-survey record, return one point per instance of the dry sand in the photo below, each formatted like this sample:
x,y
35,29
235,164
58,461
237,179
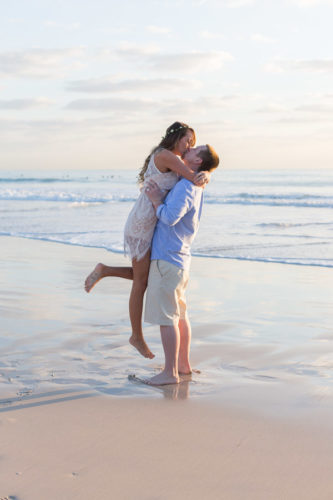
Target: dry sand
x,y
104,448
256,424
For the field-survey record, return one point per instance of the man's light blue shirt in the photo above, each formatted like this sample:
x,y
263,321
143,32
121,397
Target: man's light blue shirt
x,y
178,222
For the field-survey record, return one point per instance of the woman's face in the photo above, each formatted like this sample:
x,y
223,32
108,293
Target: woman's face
x,y
185,143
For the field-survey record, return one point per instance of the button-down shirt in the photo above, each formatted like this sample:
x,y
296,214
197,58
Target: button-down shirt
x,y
177,225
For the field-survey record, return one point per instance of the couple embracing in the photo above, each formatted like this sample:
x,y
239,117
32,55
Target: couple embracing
x,y
158,235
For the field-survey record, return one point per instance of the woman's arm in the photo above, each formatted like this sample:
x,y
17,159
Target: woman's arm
x,y
165,160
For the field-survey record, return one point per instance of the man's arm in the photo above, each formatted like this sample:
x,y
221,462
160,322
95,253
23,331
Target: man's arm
x,y
178,202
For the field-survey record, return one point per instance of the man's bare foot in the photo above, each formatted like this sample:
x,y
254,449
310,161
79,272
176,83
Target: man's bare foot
x,y
162,379
185,377
94,277
142,347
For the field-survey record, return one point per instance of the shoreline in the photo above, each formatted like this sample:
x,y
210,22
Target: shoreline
x,y
194,255
254,328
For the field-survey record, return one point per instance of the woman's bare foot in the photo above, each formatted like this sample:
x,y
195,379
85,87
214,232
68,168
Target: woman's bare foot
x,y
162,379
94,277
142,347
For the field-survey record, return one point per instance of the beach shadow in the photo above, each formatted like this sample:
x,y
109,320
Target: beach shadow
x,y
19,403
27,395
26,399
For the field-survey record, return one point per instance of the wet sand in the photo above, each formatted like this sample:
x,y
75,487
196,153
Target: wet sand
x,y
256,423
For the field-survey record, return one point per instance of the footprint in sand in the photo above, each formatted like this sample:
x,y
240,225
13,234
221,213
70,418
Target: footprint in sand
x,y
73,475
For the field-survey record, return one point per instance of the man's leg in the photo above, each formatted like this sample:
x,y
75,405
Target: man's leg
x,y
170,340
184,366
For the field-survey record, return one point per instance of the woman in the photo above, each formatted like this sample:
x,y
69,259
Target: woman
x,y
163,165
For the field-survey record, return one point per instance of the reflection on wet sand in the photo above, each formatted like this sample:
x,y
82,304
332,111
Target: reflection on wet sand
x,y
170,391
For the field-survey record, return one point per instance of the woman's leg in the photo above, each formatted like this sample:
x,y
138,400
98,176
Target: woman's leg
x,y
139,274
102,271
140,279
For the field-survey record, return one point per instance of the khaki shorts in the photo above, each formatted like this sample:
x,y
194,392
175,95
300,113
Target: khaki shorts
x,y
165,297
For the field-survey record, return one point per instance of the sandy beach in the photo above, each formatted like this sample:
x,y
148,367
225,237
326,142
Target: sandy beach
x,y
256,423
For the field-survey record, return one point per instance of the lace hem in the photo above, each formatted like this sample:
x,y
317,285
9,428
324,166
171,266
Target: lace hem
x,y
136,248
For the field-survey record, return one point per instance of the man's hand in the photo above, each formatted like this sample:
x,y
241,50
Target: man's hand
x,y
154,193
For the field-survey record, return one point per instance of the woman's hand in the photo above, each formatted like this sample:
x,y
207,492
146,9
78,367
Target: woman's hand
x,y
154,193
202,178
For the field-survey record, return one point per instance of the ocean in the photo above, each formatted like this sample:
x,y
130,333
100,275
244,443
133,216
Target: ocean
x,y
274,216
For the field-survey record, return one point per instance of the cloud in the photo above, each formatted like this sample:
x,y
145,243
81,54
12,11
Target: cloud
x,y
16,125
317,111
56,63
272,108
15,20
189,62
318,105
236,3
110,85
210,35
108,105
128,49
311,3
18,104
217,101
231,4
258,37
64,127
203,105
315,108
158,30
198,3
304,120
38,63
151,57
310,65
69,27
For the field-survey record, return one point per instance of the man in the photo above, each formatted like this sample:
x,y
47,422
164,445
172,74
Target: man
x,y
178,221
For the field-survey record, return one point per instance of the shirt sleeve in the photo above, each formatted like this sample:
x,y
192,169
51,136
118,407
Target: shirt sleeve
x,y
179,201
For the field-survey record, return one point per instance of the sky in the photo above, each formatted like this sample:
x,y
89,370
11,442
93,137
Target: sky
x,y
94,85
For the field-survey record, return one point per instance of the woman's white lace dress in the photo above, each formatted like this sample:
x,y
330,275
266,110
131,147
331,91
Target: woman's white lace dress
x,y
140,225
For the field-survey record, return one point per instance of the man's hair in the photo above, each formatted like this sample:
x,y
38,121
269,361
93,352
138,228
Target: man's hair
x,y
210,159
